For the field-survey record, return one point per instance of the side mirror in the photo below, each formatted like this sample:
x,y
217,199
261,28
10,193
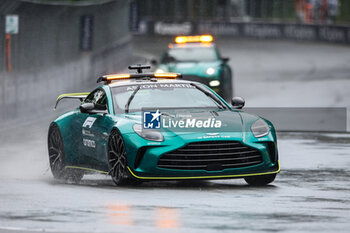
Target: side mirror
x,y
225,59
237,102
168,59
91,108
86,107
153,62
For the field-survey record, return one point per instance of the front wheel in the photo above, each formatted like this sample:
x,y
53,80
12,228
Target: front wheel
x,y
117,158
260,180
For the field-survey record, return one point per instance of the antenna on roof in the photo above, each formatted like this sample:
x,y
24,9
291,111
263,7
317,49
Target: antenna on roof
x,y
139,67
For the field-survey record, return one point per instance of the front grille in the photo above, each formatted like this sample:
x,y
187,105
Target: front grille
x,y
210,156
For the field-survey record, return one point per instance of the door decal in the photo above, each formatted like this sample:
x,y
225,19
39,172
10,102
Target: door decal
x,y
89,122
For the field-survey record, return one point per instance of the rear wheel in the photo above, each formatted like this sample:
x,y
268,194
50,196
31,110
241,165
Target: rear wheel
x,y
57,157
260,180
117,159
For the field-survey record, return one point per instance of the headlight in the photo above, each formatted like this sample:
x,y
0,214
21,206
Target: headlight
x,y
260,128
210,71
159,71
214,83
148,134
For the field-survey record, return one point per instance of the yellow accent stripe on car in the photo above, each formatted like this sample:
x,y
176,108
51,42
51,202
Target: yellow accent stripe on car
x,y
203,177
180,178
88,169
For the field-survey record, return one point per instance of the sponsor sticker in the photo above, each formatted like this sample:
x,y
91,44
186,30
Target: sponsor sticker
x,y
151,120
89,122
89,143
154,120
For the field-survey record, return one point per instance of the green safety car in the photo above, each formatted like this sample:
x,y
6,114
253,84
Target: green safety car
x,y
157,126
198,59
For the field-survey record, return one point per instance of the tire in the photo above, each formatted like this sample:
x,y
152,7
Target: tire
x,y
117,159
260,180
57,157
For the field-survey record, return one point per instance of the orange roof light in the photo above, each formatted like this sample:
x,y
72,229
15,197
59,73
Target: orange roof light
x,y
117,76
107,79
180,39
206,38
186,39
165,75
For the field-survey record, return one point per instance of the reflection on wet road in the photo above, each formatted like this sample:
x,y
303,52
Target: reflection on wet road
x,y
126,215
120,214
308,195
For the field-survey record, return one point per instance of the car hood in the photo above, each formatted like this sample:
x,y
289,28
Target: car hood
x,y
232,121
192,68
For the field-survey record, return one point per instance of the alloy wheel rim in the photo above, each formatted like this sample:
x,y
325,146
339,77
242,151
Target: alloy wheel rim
x,y
117,157
55,151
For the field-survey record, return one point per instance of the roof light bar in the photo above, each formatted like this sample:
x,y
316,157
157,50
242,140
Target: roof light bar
x,y
113,77
188,39
166,75
117,76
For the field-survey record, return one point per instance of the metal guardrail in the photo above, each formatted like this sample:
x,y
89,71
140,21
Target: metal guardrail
x,y
69,2
260,30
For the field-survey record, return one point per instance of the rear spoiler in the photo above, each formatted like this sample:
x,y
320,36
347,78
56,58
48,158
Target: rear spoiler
x,y
80,96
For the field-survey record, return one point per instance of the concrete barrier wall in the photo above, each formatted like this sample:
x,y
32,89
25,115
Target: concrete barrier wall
x,y
47,55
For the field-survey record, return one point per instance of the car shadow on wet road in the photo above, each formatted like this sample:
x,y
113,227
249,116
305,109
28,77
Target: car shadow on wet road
x,y
176,185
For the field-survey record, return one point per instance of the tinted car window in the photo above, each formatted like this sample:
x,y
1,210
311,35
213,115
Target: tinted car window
x,y
160,96
189,54
99,98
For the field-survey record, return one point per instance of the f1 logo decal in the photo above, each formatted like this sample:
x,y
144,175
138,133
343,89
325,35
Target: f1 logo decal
x,y
89,122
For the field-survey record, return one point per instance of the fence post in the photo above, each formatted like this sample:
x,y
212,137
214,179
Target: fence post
x,y
8,52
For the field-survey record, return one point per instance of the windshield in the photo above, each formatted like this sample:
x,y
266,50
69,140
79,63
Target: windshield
x,y
164,95
190,54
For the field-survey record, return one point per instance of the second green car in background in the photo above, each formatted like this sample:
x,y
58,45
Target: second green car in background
x,y
198,59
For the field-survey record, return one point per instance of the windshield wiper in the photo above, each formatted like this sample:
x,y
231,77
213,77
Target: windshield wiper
x,y
211,95
130,99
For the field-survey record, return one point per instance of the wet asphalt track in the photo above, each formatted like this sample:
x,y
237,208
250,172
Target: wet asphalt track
x,y
311,194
